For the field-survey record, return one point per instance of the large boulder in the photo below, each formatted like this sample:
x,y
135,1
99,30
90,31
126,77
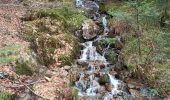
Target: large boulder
x,y
90,29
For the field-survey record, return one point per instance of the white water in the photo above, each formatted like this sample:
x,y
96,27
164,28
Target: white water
x,y
79,3
90,56
115,84
104,23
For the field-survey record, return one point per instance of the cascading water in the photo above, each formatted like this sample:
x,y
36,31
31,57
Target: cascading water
x,y
95,78
104,23
79,3
88,83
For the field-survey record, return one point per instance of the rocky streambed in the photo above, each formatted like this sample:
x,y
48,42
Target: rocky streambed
x,y
95,74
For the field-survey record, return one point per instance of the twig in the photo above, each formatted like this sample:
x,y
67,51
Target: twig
x,y
29,88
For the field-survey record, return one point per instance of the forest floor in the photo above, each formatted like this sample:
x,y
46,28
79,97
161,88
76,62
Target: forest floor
x,y
10,29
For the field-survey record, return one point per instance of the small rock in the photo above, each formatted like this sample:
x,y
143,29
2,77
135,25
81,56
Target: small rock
x,y
136,94
108,87
101,89
67,67
113,73
48,79
3,75
131,86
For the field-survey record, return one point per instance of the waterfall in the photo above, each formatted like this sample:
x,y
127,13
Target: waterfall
x,y
104,23
115,84
90,54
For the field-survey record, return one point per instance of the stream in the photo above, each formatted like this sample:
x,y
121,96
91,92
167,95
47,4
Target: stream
x,y
94,73
88,83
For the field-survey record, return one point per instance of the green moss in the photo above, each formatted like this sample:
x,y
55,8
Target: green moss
x,y
110,41
8,53
24,68
7,59
111,56
70,16
104,79
45,48
9,50
54,22
66,59
6,96
76,20
74,93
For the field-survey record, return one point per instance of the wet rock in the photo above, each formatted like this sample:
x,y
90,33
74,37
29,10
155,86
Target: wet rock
x,y
109,87
101,89
91,5
3,75
104,44
90,29
113,72
131,86
82,63
104,79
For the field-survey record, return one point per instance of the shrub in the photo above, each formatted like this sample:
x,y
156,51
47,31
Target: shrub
x,y
24,68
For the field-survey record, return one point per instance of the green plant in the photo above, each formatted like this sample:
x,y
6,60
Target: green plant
x,y
5,96
8,53
66,59
74,94
111,56
24,68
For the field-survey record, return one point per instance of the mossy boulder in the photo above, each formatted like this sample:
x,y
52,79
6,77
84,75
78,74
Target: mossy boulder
x,y
51,34
90,29
104,43
104,79
111,56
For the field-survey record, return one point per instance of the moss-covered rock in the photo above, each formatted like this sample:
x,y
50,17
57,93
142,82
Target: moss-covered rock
x,y
104,79
111,56
51,35
104,43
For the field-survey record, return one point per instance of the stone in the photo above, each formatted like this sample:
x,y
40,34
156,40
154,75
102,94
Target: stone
x,y
109,87
3,75
113,72
131,86
90,29
136,94
101,89
104,79
67,67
